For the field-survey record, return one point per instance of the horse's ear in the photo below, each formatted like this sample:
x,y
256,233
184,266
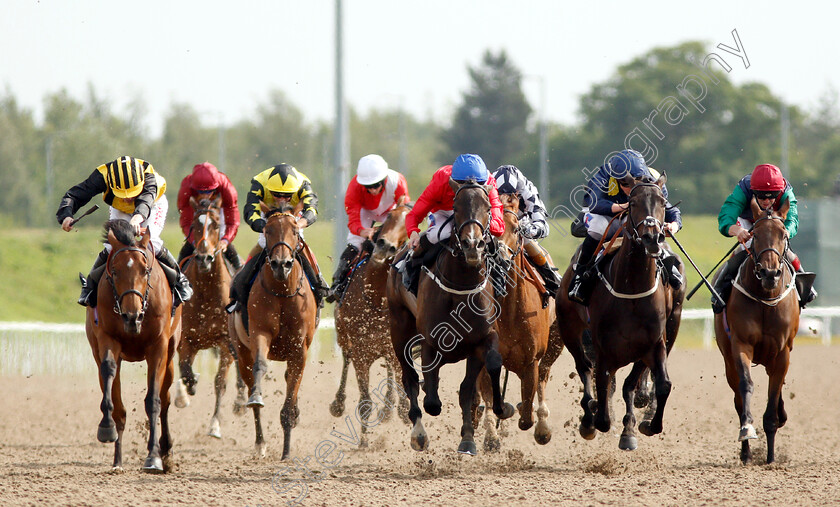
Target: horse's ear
x,y
217,200
628,181
783,210
193,202
662,179
112,239
146,238
453,185
756,209
264,208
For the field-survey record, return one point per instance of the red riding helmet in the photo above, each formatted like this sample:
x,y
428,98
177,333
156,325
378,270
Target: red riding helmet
x,y
767,178
205,177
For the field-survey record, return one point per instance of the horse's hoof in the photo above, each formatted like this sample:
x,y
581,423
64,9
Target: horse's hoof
x,y
525,425
586,432
747,433
628,443
419,439
507,411
543,438
479,411
255,401
182,401
153,465
239,407
467,447
106,434
336,408
260,450
432,408
363,442
492,444
215,430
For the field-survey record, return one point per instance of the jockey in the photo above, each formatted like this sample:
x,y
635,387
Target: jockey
x,y
438,199
532,226
274,186
770,188
134,192
606,198
371,195
205,182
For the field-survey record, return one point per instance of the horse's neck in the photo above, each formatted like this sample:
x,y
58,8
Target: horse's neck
x,y
633,263
454,268
375,275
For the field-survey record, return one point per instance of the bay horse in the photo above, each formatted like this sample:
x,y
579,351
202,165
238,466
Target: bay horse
x,y
361,321
451,318
523,327
204,323
283,317
633,317
134,321
759,323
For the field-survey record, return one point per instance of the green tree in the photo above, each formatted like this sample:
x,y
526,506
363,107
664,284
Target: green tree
x,y
492,119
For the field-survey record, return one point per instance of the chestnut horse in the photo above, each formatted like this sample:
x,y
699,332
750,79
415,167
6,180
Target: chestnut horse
x,y
204,322
523,326
282,316
454,317
134,321
361,320
634,317
759,324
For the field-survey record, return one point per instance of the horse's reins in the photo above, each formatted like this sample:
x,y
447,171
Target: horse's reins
x,y
144,297
294,251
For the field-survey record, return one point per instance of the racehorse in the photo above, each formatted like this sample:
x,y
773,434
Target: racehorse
x,y
361,320
633,317
204,323
759,324
282,316
134,321
523,326
454,317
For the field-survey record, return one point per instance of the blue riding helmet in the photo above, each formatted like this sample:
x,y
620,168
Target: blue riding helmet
x,y
628,162
469,167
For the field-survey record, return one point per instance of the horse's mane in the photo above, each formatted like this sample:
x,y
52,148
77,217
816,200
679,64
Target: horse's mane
x,y
122,230
283,208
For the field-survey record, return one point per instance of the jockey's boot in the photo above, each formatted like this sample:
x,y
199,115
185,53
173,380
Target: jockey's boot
x,y
723,284
233,257
89,284
538,258
413,262
177,280
241,284
341,272
319,286
580,288
672,269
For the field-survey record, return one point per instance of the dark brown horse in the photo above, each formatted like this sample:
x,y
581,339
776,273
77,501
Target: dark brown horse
x,y
759,324
204,322
451,318
523,327
134,321
282,316
633,317
361,322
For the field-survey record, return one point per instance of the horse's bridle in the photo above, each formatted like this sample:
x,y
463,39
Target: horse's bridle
x,y
293,249
110,277
198,213
649,221
756,256
485,228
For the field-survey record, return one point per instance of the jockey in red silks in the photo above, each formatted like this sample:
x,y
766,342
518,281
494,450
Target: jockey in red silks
x,y
205,182
371,195
437,199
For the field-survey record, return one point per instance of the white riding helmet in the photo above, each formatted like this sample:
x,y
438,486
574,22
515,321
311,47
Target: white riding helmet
x,y
372,169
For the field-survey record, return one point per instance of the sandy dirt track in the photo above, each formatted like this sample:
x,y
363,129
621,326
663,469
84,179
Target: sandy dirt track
x,y
49,453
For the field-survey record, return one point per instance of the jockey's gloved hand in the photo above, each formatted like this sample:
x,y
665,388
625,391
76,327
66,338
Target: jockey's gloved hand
x,y
258,225
533,230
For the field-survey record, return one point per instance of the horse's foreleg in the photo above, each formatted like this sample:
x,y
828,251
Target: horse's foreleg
x,y
542,433
220,383
156,364
628,440
492,443
165,436
583,366
774,401
289,414
390,396
260,367
119,419
529,381
742,360
662,384
466,395
431,379
366,405
337,406
241,399
644,389
733,380
602,389
107,431
186,354
493,363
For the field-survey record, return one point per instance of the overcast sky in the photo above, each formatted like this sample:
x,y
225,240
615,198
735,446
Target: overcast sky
x,y
224,57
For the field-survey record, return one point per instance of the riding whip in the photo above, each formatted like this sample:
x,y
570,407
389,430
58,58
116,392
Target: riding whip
x,y
504,390
703,278
700,284
83,215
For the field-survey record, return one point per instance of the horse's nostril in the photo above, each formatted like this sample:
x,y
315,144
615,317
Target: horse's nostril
x,y
392,249
481,244
380,243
